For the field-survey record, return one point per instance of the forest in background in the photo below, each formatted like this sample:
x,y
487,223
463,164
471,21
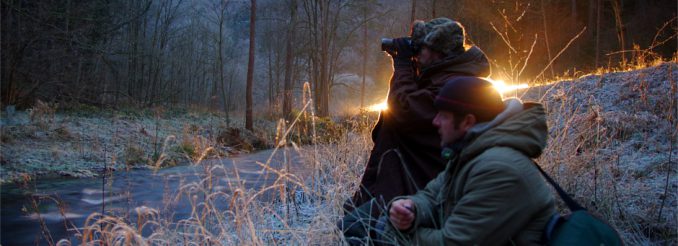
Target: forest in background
x,y
193,54
118,89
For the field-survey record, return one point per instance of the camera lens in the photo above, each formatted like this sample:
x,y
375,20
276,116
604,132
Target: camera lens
x,y
386,44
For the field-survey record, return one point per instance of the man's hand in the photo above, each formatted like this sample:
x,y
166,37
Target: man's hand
x,y
403,53
403,48
402,214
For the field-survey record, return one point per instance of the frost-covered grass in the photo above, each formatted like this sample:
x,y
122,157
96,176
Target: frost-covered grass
x,y
612,145
301,206
48,140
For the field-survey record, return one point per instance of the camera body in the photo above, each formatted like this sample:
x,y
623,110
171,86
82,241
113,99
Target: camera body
x,y
389,45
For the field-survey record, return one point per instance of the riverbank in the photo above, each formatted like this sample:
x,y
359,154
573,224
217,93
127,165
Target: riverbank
x,y
46,141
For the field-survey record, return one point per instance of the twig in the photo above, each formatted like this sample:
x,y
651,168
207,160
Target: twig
x,y
103,183
546,34
528,55
647,49
43,226
561,52
616,192
673,120
508,23
656,35
508,43
666,187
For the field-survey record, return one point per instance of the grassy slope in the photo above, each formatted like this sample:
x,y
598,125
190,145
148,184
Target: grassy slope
x,y
611,138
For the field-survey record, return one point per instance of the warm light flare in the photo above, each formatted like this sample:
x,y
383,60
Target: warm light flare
x,y
499,85
502,87
377,107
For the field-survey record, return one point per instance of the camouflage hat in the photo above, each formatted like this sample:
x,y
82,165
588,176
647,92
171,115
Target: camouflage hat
x,y
440,34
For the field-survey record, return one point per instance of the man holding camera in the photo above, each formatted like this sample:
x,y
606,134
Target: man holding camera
x,y
406,153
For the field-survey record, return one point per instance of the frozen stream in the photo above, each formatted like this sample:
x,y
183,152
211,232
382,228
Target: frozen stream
x,y
124,192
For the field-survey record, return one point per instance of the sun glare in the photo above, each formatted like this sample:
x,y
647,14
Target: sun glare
x,y
502,87
499,85
377,107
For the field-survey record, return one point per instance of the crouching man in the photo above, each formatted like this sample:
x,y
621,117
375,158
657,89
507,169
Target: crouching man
x,y
490,192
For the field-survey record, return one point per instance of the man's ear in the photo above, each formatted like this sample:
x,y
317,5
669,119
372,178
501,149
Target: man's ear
x,y
468,122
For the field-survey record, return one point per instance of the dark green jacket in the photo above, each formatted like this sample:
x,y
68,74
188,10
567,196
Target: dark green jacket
x,y
490,192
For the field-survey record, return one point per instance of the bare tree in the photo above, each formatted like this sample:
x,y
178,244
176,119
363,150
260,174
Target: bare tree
x,y
250,68
414,11
289,56
599,6
546,35
364,51
619,24
323,19
433,9
146,53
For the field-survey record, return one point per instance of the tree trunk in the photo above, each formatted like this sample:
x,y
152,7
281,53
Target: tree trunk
x,y
546,36
414,8
598,10
362,87
269,59
289,56
250,69
574,9
591,19
619,24
221,56
322,29
433,9
228,99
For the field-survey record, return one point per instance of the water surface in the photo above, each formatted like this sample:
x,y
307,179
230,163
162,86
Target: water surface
x,y
122,193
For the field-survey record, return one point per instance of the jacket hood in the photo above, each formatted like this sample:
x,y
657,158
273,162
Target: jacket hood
x,y
520,126
473,62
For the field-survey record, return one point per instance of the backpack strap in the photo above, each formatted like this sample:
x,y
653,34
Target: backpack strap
x,y
554,222
571,203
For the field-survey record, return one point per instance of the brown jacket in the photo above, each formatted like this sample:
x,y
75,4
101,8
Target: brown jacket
x,y
406,153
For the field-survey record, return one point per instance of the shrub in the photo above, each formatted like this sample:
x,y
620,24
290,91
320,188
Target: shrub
x,y
63,133
42,114
135,155
240,139
186,148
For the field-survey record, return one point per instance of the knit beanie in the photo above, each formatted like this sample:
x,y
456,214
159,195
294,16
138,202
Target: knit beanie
x,y
470,95
441,34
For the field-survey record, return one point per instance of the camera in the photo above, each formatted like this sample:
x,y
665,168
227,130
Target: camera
x,y
389,45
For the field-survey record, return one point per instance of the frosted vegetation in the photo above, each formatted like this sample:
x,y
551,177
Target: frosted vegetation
x,y
612,145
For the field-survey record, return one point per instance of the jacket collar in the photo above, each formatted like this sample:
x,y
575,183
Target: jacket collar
x,y
512,107
473,62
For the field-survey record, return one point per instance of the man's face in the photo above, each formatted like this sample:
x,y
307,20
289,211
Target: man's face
x,y
426,57
449,132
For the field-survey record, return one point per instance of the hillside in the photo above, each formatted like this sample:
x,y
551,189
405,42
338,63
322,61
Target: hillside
x,y
613,145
